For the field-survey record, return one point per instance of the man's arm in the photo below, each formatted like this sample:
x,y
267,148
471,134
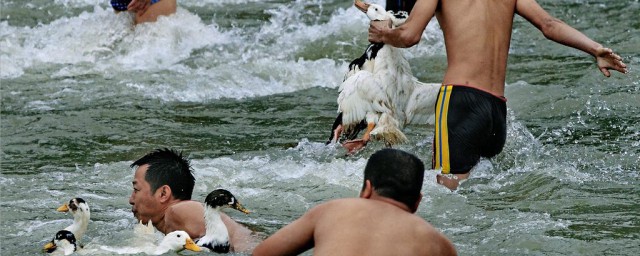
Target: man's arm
x,y
239,236
293,239
558,31
446,247
409,33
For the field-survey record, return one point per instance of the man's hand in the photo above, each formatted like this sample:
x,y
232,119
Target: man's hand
x,y
139,6
376,30
606,59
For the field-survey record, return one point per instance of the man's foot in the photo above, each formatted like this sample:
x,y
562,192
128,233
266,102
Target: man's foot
x,y
451,181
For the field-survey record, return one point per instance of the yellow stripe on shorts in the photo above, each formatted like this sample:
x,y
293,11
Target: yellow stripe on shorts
x,y
441,146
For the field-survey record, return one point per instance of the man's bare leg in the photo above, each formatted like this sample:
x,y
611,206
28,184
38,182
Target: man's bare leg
x,y
451,181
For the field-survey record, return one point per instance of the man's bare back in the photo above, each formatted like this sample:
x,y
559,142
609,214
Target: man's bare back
x,y
477,36
344,227
358,226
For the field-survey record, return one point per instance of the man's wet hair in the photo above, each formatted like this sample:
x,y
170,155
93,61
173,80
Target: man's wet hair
x,y
168,167
395,174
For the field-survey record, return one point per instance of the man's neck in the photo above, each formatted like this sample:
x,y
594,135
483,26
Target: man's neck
x,y
161,224
391,201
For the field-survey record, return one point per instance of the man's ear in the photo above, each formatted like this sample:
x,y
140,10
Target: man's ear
x,y
367,191
165,194
415,207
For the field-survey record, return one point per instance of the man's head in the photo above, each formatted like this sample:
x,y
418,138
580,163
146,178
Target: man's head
x,y
161,177
397,175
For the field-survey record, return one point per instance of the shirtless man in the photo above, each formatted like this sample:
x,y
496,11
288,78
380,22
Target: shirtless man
x,y
146,10
471,108
162,188
380,222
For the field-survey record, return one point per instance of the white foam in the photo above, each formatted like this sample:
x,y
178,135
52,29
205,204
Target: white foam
x,y
183,58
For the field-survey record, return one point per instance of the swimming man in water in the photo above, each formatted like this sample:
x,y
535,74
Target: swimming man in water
x,y
146,10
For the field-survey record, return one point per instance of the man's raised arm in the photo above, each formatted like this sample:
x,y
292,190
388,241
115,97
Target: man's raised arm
x,y
558,31
407,34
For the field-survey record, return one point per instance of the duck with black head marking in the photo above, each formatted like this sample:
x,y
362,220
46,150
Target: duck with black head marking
x,y
64,243
379,93
217,235
79,208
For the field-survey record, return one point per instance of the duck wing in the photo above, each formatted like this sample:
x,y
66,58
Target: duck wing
x,y
421,105
362,94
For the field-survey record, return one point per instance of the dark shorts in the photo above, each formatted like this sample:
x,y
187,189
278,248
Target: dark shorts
x,y
121,5
470,123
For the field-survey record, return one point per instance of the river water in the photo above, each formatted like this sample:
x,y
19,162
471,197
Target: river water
x,y
248,90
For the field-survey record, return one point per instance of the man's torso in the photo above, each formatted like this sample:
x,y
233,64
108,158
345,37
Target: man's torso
x,y
368,227
477,37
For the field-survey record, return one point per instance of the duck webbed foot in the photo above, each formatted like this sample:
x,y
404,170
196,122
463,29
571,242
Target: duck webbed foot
x,y
353,146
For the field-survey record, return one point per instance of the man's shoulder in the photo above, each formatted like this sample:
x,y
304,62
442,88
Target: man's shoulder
x,y
187,216
436,239
346,203
335,206
189,204
185,207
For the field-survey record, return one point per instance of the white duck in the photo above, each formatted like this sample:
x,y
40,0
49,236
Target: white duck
x,y
380,93
217,235
145,235
174,241
81,215
64,243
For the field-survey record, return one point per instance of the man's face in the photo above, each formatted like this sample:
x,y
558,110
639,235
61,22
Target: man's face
x,y
145,203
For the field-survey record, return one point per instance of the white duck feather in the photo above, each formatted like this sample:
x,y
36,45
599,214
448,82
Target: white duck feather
x,y
381,89
174,241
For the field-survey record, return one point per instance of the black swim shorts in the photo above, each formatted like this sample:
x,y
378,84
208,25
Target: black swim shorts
x,y
120,5
470,123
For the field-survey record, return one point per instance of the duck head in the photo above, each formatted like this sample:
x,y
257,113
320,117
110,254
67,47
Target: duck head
x,y
64,242
76,206
377,12
177,241
221,198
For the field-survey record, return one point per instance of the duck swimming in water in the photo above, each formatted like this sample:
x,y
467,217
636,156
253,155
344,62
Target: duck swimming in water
x,y
217,235
174,241
81,215
64,243
379,93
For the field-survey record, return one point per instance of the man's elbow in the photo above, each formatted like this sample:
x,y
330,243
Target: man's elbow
x,y
409,40
414,40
